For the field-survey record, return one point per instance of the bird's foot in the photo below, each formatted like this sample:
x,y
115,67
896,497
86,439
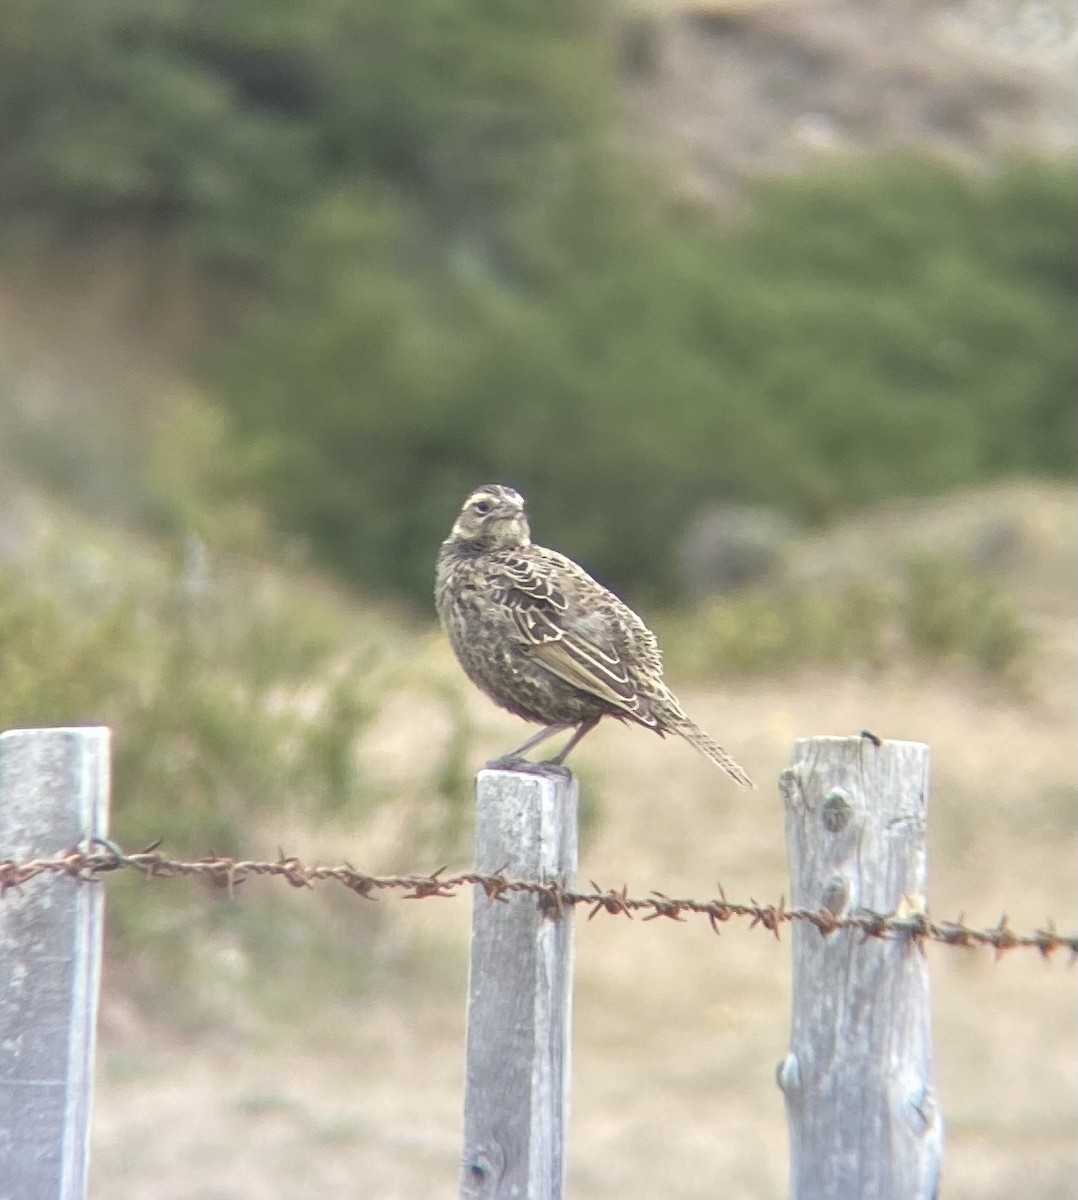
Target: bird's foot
x,y
552,767
511,762
507,762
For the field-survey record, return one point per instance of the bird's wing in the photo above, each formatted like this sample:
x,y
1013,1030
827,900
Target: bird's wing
x,y
573,645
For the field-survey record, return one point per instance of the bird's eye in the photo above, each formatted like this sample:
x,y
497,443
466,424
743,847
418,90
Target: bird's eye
x,y
482,507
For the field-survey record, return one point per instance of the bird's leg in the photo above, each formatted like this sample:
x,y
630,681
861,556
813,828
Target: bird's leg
x,y
514,757
582,731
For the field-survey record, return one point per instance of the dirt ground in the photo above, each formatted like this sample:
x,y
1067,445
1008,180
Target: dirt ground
x,y
677,1031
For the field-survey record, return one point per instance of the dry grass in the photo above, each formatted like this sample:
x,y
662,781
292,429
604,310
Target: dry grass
x,y
724,91
677,1032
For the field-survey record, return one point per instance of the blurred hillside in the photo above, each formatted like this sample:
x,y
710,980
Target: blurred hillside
x,y
401,250
768,298
727,92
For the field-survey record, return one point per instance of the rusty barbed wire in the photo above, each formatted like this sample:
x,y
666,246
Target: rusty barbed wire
x,y
912,925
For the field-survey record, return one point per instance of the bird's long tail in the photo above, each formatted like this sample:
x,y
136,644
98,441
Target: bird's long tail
x,y
695,736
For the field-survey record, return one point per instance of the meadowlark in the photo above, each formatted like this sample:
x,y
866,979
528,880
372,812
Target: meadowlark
x,y
542,639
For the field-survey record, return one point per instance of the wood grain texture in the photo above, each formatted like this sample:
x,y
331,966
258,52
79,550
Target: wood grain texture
x,y
53,793
860,1098
519,992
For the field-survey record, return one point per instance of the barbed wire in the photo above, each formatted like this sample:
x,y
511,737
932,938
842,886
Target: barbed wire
x,y
909,923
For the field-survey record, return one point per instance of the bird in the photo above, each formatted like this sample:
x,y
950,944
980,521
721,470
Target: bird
x,y
544,640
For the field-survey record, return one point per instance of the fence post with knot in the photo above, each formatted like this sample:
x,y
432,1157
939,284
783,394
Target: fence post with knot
x,y
53,796
860,1099
516,1098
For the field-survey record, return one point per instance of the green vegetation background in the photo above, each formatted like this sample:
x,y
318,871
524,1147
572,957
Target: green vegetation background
x,y
451,274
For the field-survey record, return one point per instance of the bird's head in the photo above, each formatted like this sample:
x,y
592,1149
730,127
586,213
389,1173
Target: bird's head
x,y
492,518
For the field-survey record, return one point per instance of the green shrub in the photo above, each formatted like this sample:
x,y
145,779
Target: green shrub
x,y
773,631
229,699
239,697
948,612
223,125
896,330
456,278
937,612
240,700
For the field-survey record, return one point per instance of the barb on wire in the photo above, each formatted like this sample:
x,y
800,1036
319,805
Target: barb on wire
x,y
913,926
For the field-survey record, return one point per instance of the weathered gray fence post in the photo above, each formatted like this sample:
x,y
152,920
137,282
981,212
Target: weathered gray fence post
x,y
862,1109
516,1100
53,793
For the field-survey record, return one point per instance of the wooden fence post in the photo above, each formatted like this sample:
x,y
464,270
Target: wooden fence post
x,y
53,794
516,1098
860,1100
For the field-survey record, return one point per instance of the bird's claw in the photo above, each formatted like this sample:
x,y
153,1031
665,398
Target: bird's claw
x,y
552,768
507,762
510,762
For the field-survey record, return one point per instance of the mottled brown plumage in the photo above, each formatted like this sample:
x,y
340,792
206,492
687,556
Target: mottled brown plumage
x,y
542,639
